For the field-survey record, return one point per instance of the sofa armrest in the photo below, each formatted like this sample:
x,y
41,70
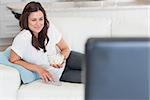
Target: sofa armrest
x,y
9,82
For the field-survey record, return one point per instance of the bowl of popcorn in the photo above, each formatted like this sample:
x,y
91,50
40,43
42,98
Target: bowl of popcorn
x,y
56,58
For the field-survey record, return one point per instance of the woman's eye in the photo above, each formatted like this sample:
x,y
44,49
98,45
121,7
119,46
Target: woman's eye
x,y
33,19
41,19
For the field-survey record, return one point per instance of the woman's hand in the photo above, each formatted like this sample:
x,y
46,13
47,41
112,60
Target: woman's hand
x,y
44,74
58,65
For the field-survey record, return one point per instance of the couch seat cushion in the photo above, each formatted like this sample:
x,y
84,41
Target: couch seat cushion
x,y
38,90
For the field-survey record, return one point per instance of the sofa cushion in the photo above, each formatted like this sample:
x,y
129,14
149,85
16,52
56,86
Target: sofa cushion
x,y
77,29
26,75
75,60
9,82
73,76
73,68
38,90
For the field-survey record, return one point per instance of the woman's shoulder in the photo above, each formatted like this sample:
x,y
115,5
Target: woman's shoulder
x,y
52,30
24,34
52,25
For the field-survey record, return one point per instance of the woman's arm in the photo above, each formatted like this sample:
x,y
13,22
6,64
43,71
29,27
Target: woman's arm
x,y
65,51
44,74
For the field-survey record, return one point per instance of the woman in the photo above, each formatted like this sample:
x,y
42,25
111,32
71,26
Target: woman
x,y
38,40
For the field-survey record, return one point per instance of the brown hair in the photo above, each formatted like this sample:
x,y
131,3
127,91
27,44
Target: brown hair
x,y
23,22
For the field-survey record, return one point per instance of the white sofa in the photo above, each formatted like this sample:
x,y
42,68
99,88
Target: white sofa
x,y
75,30
10,88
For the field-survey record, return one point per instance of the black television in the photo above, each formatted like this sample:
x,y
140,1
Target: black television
x,y
117,69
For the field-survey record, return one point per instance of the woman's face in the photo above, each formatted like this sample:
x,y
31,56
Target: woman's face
x,y
36,22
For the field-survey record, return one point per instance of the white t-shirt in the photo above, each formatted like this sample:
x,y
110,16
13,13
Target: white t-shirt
x,y
22,46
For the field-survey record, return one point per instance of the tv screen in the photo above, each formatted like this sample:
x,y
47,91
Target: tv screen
x,y
117,69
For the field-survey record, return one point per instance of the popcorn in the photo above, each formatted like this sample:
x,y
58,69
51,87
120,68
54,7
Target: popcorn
x,y
56,59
